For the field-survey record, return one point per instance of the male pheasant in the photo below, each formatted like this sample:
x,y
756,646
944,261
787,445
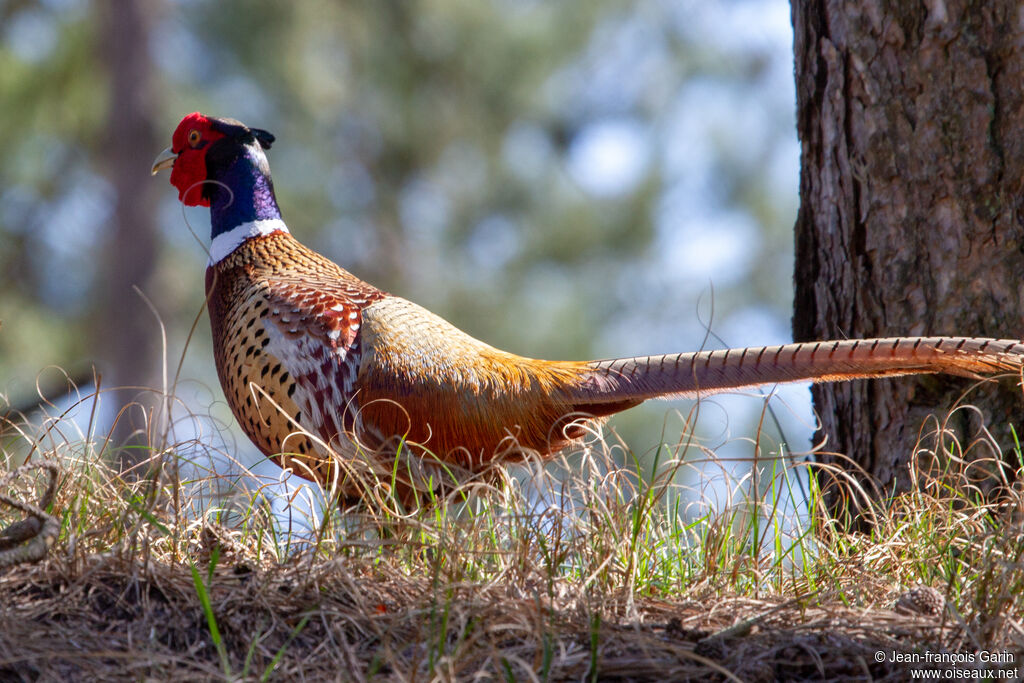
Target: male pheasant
x,y
315,362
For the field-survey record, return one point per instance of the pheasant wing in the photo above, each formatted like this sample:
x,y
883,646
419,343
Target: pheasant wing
x,y
314,329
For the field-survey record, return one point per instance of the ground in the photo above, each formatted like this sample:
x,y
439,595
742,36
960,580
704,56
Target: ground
x,y
621,571
106,617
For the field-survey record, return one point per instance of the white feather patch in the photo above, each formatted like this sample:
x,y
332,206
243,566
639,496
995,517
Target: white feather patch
x,y
333,376
226,242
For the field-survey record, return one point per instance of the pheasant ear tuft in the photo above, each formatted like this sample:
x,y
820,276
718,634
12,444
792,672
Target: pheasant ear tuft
x,y
263,137
237,129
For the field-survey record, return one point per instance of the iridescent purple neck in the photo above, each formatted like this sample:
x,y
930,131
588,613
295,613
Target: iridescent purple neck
x,y
242,193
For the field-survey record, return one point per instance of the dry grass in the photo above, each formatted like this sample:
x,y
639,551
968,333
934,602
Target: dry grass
x,y
613,571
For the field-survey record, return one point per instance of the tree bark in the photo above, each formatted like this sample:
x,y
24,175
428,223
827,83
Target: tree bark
x,y
126,335
910,118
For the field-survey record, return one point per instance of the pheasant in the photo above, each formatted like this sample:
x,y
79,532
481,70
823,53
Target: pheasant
x,y
317,364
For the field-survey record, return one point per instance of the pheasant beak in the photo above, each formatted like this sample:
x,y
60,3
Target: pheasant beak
x,y
164,160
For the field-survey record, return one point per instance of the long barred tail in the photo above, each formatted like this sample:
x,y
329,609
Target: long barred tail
x,y
708,372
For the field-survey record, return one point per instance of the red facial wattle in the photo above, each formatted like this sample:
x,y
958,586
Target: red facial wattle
x,y
190,142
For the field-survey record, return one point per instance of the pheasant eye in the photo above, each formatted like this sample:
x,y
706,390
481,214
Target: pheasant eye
x,y
194,136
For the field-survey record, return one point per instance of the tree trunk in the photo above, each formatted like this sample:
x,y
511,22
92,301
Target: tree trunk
x,y
126,334
910,118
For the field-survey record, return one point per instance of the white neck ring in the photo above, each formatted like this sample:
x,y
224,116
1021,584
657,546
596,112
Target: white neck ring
x,y
226,242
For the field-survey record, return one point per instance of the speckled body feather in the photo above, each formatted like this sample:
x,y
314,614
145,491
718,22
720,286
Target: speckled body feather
x,y
286,342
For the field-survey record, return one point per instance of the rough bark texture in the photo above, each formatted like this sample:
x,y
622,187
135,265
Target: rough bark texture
x,y
911,121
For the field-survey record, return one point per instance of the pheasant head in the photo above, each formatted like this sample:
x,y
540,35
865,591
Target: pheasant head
x,y
220,163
